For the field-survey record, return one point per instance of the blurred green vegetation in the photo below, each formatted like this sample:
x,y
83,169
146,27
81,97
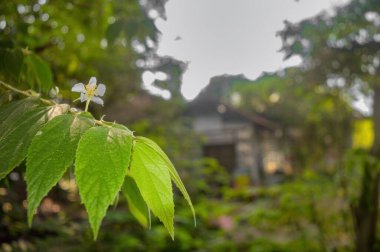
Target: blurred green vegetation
x,y
45,44
309,211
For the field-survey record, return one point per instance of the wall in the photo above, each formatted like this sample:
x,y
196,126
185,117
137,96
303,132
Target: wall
x,y
241,134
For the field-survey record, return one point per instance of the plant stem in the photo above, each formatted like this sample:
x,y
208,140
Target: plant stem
x,y
10,87
14,89
48,102
87,103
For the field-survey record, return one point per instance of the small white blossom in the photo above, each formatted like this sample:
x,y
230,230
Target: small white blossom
x,y
91,91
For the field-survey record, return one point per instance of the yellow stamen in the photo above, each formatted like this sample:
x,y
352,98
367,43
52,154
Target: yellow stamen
x,y
90,90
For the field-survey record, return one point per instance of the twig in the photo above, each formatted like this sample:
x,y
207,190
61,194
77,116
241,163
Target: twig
x,y
29,94
100,122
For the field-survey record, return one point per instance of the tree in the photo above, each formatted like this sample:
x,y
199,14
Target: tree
x,y
116,40
308,114
55,44
344,47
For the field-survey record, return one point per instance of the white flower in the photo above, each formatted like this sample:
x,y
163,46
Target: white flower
x,y
91,91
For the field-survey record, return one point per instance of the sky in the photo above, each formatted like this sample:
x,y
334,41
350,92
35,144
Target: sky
x,y
217,37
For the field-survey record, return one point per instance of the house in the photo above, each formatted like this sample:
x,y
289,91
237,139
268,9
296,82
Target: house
x,y
247,145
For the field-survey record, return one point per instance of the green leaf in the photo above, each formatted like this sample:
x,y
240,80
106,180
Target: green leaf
x,y
13,60
136,203
113,31
51,152
102,161
131,29
10,112
173,172
40,72
3,51
18,134
152,177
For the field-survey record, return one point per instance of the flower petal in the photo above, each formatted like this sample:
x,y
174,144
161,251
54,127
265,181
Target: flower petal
x,y
97,100
92,82
100,90
79,87
83,97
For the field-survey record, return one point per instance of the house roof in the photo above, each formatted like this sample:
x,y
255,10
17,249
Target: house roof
x,y
211,100
206,107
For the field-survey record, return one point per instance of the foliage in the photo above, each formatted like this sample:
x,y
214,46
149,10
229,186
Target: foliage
x,y
341,50
102,160
104,154
48,43
60,135
45,44
346,40
286,217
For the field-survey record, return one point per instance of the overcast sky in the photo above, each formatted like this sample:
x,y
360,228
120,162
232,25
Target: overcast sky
x,y
230,36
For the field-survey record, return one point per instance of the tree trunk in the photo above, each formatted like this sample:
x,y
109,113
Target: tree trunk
x,y
365,213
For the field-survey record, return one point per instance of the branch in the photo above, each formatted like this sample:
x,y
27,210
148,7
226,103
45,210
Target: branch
x,y
26,93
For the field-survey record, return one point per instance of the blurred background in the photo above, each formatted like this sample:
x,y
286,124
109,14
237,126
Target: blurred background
x,y
270,111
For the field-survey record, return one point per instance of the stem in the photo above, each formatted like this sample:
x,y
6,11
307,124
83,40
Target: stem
x,y
48,102
87,103
103,123
100,123
6,85
14,89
